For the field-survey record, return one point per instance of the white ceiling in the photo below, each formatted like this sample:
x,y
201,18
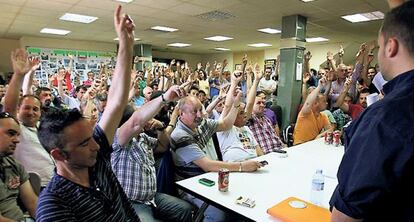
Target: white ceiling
x,y
27,17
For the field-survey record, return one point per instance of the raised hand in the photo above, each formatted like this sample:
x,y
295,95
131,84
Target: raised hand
x,y
244,60
124,27
199,66
308,56
322,82
329,56
61,76
258,74
225,63
341,51
34,63
175,92
20,62
361,50
236,77
207,65
172,62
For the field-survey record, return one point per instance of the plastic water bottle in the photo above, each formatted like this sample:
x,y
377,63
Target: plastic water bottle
x,y
318,183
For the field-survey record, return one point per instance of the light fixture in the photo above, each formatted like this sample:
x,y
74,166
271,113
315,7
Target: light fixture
x,y
364,17
135,39
78,18
54,31
164,28
270,30
307,0
124,1
316,39
258,45
179,45
222,49
218,38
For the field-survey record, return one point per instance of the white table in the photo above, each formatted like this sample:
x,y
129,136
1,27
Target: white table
x,y
282,178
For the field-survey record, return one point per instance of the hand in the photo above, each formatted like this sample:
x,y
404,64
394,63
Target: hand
x,y
223,91
257,73
34,63
236,77
225,63
250,165
20,62
361,51
348,82
136,59
199,66
244,60
153,124
70,56
61,76
172,62
175,92
341,51
178,64
322,83
370,57
308,56
174,114
124,27
330,56
207,65
186,65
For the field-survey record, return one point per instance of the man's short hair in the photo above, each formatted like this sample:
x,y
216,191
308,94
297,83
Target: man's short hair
x,y
399,23
40,89
29,96
52,124
202,91
364,90
100,97
78,88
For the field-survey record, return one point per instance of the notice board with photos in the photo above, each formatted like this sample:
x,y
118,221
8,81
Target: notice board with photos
x,y
83,62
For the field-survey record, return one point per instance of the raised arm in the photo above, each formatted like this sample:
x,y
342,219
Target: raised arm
x,y
340,100
306,65
331,60
28,79
251,93
312,97
235,79
60,78
227,121
118,93
146,112
21,65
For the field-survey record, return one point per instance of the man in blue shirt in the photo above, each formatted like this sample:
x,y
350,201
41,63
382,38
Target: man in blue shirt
x,y
375,175
84,188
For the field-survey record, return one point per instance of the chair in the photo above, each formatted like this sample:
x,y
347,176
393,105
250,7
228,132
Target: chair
x,y
288,134
35,181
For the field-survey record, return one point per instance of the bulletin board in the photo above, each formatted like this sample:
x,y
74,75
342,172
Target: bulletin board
x,y
83,62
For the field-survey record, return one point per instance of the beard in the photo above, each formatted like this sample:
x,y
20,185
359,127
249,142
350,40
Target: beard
x,y
198,120
47,102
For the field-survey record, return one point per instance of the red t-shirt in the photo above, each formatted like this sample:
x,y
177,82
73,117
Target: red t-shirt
x,y
354,110
67,80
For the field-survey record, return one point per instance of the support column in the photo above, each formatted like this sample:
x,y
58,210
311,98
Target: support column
x,y
292,48
144,53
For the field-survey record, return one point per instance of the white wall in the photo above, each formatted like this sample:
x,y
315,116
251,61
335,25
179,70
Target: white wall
x,y
6,46
67,44
192,59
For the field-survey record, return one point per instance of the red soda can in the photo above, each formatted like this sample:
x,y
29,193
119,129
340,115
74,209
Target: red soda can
x,y
328,138
223,180
336,138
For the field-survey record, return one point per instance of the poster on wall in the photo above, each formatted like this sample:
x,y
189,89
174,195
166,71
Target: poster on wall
x,y
83,62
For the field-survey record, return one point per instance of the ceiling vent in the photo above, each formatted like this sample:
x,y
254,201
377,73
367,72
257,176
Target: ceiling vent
x,y
215,15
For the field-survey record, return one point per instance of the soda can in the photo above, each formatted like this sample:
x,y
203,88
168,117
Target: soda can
x,y
223,180
336,138
328,138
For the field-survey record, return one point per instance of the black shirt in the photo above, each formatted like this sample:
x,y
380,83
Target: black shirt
x,y
105,200
376,173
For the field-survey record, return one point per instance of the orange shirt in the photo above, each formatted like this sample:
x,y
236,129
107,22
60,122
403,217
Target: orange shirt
x,y
308,126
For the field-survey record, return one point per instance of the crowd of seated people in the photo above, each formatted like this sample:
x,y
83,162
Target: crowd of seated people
x,y
97,144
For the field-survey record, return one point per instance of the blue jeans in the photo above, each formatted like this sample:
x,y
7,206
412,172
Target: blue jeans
x,y
169,208
211,214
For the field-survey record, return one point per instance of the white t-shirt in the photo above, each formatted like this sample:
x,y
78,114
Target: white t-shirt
x,y
71,102
31,154
237,144
267,84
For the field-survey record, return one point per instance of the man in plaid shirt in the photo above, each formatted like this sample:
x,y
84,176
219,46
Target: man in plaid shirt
x,y
133,162
262,128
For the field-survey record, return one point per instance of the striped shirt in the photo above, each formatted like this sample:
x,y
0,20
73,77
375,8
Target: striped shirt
x,y
264,133
133,164
104,200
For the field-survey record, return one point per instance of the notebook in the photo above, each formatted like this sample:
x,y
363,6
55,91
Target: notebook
x,y
294,212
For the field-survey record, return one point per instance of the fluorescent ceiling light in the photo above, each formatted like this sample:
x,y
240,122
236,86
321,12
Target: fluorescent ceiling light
x,y
364,17
218,38
269,30
78,18
179,44
222,49
316,39
259,45
54,31
124,1
164,28
307,0
135,39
